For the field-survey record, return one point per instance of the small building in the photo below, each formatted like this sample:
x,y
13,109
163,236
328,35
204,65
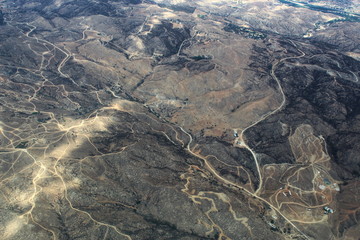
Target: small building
x,y
328,210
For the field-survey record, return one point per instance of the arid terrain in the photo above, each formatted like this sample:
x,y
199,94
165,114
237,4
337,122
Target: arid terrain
x,y
179,119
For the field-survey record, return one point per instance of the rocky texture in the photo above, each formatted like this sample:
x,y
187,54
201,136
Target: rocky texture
x,y
168,120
